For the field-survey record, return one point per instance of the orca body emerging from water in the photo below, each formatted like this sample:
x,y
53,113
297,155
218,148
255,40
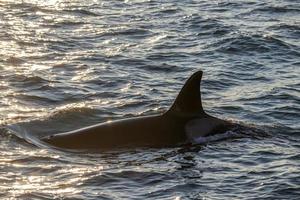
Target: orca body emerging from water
x,y
183,121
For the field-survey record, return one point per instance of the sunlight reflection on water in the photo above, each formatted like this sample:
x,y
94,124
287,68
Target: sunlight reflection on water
x,y
68,64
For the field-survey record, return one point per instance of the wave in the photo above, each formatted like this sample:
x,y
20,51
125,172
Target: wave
x,y
81,12
26,80
276,9
12,60
210,27
251,44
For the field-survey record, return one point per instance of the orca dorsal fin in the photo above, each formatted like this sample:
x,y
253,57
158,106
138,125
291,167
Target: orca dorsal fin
x,y
188,101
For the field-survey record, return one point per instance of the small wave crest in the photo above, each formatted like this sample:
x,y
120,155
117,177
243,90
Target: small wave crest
x,y
81,12
251,43
15,135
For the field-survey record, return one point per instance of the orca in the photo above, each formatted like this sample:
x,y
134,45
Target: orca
x,y
184,120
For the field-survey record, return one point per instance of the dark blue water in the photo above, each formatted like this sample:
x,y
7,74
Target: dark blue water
x,y
69,64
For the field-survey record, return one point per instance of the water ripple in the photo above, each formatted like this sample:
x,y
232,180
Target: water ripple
x,y
69,64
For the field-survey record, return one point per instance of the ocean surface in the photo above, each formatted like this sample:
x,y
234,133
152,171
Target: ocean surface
x,y
69,64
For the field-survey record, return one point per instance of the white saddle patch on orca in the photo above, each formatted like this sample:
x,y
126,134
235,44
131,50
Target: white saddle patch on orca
x,y
213,138
200,128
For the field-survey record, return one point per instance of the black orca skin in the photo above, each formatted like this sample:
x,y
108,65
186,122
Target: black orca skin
x,y
184,119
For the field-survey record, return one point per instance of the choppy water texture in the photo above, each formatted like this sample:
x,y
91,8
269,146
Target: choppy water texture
x,y
68,64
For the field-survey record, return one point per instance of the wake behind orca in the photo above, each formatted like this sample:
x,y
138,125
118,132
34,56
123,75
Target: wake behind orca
x,y
185,120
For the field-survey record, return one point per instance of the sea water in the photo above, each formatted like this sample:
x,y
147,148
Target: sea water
x,y
69,64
